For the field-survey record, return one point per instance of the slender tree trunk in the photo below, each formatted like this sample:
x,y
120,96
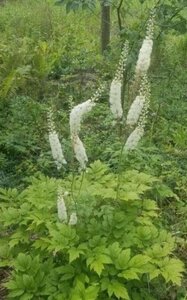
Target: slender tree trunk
x,y
105,26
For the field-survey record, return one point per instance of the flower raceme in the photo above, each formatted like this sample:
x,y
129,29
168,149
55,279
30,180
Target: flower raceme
x,y
144,58
80,152
135,110
134,138
61,207
79,111
138,115
77,114
116,85
56,147
115,99
62,211
73,219
122,62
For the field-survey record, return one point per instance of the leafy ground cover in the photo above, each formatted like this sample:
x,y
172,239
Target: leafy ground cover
x,y
54,60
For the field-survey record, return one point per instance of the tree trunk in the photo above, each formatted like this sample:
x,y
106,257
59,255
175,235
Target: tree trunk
x,y
105,26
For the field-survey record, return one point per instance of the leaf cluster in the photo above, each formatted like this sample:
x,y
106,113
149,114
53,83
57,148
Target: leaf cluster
x,y
117,247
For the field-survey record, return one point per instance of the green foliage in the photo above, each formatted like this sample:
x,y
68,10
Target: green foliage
x,y
117,246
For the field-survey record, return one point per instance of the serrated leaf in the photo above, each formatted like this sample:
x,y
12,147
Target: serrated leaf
x,y
129,274
28,282
128,195
118,290
97,263
123,259
138,260
114,250
172,270
16,293
23,262
11,285
13,243
91,292
154,274
104,258
26,297
97,266
74,253
150,205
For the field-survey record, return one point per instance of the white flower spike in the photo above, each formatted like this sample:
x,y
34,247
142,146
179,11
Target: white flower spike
x,y
73,219
116,85
61,207
135,111
76,117
144,58
134,138
80,152
115,99
56,147
77,114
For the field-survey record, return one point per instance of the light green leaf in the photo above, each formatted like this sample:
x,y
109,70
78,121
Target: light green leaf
x,y
123,259
91,292
23,262
118,290
139,260
74,253
97,266
172,270
129,274
16,293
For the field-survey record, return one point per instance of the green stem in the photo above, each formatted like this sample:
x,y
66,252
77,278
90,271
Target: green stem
x,y
119,165
72,191
82,179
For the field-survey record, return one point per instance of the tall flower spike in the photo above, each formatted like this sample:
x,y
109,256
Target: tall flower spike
x,y
61,207
56,147
80,152
134,138
138,132
144,57
73,219
122,62
79,111
144,92
115,88
115,99
76,117
140,105
135,111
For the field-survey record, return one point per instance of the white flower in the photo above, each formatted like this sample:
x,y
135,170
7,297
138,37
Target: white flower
x,y
61,207
77,113
144,58
56,149
135,110
80,152
122,62
134,138
150,25
66,194
115,99
73,219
